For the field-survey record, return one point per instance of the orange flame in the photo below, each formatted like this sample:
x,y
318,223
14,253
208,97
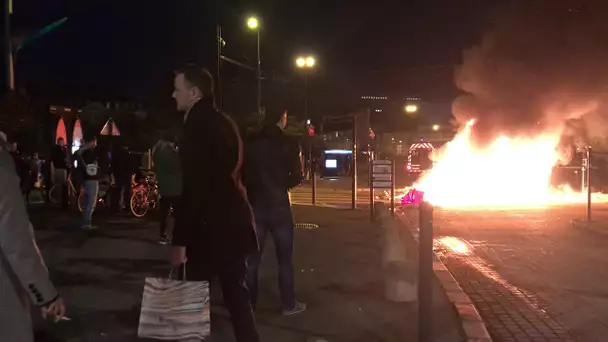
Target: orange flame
x,y
508,172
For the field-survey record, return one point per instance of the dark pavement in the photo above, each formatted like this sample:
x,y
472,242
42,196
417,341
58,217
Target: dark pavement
x,y
531,274
339,276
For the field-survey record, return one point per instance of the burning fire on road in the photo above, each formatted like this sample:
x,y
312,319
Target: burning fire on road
x,y
508,172
536,79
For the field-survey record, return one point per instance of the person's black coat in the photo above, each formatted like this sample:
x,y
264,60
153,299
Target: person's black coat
x,y
272,167
215,217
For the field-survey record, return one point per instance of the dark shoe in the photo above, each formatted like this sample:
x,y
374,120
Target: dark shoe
x,y
164,240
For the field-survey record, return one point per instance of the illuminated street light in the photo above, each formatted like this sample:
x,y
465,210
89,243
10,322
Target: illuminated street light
x,y
436,127
300,62
411,108
306,63
310,62
253,23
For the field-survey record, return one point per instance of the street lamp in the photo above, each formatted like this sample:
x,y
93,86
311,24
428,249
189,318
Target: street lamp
x,y
254,24
307,63
411,108
436,128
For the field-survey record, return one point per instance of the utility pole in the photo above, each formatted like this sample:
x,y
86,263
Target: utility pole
x,y
259,72
220,42
7,44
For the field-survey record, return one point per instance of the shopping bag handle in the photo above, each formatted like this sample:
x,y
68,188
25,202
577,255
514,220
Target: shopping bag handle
x,y
171,272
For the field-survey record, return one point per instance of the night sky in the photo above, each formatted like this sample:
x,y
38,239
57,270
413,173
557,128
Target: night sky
x,y
127,49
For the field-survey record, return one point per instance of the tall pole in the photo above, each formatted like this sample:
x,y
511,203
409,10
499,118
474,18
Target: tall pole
x,y
354,165
7,44
219,66
588,184
306,97
425,272
309,154
259,76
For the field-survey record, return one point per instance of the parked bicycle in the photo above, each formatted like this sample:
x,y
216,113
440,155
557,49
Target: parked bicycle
x,y
56,191
103,197
144,196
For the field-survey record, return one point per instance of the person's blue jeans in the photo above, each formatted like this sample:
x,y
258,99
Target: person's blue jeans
x,y
91,189
279,223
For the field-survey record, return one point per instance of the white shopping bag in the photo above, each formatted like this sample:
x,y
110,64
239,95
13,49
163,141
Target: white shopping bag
x,y
175,309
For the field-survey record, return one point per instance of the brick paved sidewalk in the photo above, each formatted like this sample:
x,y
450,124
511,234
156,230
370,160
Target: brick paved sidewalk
x,y
511,313
339,276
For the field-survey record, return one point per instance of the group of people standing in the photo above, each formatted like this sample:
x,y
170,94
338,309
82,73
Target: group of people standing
x,y
227,194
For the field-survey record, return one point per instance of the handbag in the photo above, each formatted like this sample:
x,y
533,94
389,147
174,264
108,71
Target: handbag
x,y
175,309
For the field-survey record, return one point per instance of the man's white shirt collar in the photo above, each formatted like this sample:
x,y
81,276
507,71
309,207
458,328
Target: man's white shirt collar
x,y
192,103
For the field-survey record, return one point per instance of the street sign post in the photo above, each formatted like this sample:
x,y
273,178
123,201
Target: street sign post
x,y
382,176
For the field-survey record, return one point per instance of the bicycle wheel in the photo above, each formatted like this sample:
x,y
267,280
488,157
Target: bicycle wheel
x,y
36,197
139,203
55,194
81,201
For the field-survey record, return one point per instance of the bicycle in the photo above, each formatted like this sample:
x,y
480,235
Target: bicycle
x,y
144,196
56,191
103,195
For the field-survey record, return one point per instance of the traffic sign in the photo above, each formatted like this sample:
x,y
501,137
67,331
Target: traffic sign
x,y
382,185
382,174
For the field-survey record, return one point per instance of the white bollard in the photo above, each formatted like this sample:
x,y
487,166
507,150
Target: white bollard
x,y
399,272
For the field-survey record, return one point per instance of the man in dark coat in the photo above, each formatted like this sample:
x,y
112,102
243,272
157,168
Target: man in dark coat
x,y
273,167
214,229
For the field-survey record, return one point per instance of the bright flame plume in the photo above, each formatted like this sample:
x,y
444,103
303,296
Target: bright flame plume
x,y
509,172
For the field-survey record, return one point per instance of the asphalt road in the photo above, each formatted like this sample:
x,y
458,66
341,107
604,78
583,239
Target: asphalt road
x,y
532,275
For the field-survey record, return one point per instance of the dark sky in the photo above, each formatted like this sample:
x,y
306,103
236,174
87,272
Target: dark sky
x,y
129,48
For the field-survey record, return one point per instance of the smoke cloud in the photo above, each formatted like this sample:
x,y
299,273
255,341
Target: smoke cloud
x,y
541,65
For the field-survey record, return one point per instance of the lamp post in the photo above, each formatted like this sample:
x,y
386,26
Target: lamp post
x,y
306,63
8,8
254,24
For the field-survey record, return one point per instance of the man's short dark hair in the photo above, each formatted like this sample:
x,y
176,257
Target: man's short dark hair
x,y
197,77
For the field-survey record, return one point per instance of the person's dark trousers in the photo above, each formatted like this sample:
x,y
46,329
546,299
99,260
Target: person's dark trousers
x,y
231,273
122,186
165,205
279,223
61,178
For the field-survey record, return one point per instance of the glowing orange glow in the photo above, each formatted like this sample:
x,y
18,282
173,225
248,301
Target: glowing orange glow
x,y
455,245
509,172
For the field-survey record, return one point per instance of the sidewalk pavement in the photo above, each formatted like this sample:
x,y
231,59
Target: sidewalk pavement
x,y
339,276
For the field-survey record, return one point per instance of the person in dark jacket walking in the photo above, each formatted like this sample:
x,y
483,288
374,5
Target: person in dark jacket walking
x,y
169,177
122,169
272,168
214,229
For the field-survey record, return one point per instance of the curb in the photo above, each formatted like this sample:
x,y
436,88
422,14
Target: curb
x,y
474,327
323,205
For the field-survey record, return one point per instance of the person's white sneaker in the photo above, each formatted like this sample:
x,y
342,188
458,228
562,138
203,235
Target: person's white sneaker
x,y
298,308
88,227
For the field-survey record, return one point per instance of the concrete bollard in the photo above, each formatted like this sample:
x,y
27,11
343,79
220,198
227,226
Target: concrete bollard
x,y
399,271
